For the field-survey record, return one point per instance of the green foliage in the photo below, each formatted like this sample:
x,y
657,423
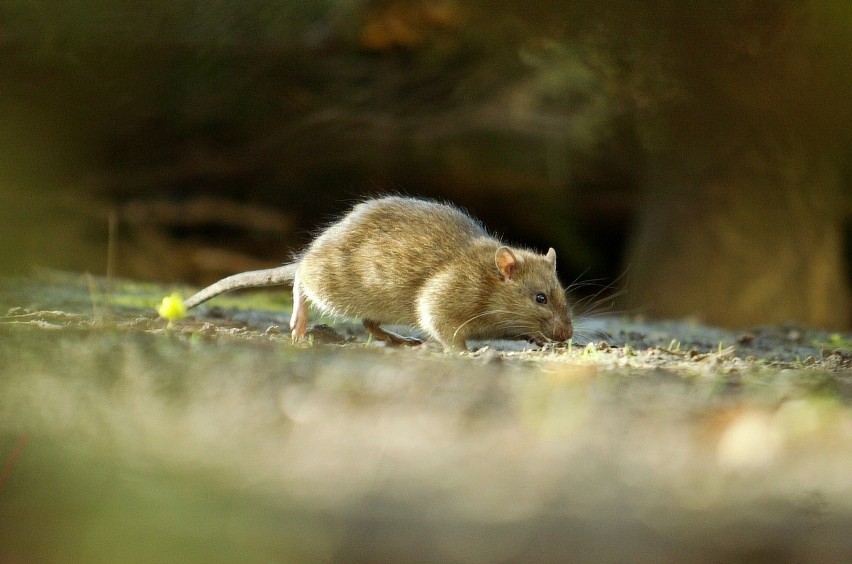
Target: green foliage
x,y
836,341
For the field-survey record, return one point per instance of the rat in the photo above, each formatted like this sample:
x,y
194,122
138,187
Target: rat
x,y
407,261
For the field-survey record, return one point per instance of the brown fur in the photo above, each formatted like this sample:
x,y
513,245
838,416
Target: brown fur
x,y
415,262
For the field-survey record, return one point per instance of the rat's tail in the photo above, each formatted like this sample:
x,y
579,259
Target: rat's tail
x,y
281,276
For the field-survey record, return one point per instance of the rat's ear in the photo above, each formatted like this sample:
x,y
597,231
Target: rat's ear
x,y
551,257
507,262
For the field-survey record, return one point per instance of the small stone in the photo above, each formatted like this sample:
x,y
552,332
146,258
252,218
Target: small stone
x,y
746,338
322,333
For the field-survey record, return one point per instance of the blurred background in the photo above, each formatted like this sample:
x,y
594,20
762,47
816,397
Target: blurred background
x,y
696,155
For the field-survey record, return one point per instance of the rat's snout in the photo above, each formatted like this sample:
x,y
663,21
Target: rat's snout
x,y
563,332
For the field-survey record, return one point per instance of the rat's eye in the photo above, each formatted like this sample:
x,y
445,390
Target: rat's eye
x,y
540,298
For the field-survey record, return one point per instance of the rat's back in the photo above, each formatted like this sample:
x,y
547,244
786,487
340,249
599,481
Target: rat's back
x,y
372,262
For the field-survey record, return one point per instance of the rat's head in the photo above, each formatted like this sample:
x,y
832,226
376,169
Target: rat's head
x,y
531,295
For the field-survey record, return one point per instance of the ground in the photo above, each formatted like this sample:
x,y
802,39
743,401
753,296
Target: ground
x,y
216,439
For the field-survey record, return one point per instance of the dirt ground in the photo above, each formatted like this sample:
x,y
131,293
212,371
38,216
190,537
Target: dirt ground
x,y
217,439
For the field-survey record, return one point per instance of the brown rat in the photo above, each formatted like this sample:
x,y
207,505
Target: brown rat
x,y
415,262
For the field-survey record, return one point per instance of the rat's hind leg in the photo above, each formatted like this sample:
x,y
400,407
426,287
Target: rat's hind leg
x,y
389,337
299,319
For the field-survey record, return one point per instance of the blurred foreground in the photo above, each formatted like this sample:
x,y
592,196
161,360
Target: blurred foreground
x,y
123,440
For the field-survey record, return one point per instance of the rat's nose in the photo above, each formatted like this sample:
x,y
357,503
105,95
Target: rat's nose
x,y
563,332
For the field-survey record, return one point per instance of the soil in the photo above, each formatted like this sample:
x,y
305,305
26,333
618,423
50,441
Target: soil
x,y
215,438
